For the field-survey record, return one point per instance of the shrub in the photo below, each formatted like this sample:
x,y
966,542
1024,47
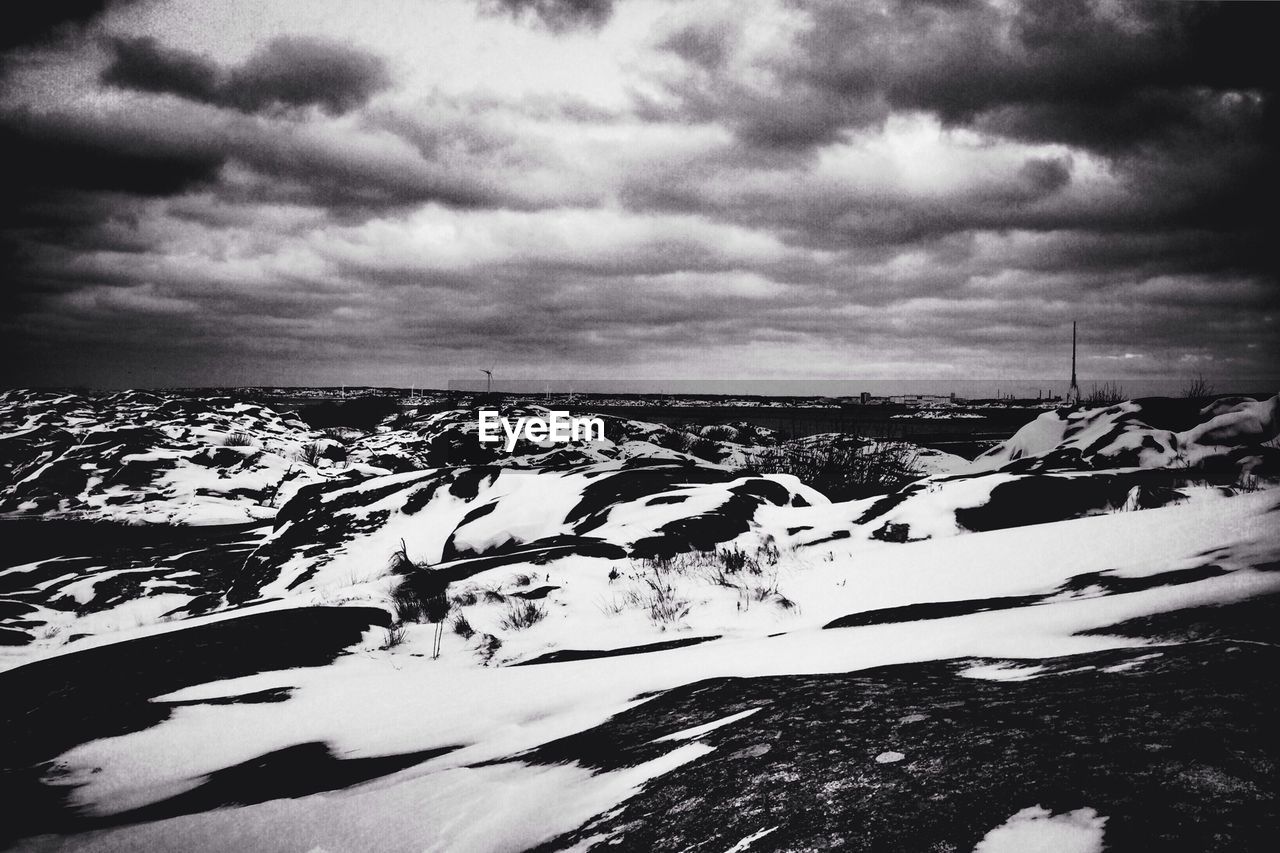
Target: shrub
x,y
493,595
489,646
733,560
728,562
309,454
522,615
1106,394
843,473
394,636
400,564
1248,482
462,627
239,438
1198,389
659,597
408,606
765,590
613,605
465,599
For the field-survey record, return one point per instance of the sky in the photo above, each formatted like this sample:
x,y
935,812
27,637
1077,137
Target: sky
x,y
397,192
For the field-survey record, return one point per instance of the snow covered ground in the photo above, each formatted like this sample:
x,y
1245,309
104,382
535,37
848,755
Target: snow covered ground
x,y
590,591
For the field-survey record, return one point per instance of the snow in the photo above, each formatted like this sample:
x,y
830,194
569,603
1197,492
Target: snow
x,y
1036,830
375,704
939,463
503,808
1002,672
745,844
152,459
767,620
699,731
83,590
1242,421
1101,435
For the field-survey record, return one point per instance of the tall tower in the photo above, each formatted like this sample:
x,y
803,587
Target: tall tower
x,y
1073,395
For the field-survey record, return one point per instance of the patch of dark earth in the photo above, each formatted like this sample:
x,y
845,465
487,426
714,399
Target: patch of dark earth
x,y
132,560
1256,621
52,705
28,540
1105,583
1175,748
563,655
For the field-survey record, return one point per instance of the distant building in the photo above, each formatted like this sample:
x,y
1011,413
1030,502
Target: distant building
x,y
921,400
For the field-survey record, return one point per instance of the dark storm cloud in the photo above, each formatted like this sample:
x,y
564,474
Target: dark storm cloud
x,y
146,66
835,211
941,183
286,72
1176,101
28,23
556,15
1103,77
54,162
39,152
72,184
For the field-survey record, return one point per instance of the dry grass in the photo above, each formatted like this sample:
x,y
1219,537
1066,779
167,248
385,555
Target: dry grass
x,y
843,473
522,615
393,636
408,606
466,598
1106,394
399,562
659,597
462,627
1198,389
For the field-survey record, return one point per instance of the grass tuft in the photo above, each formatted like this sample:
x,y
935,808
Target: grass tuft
x,y
843,473
393,636
1106,394
1198,389
408,606
465,598
522,615
462,627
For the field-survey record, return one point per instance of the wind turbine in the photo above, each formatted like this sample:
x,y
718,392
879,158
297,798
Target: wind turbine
x,y
488,381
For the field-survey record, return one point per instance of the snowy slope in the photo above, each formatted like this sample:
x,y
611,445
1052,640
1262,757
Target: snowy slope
x,y
287,672
137,457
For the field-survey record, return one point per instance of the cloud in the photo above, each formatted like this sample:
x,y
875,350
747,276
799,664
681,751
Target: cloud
x,y
40,21
39,152
556,15
287,72
1100,75
144,65
807,187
